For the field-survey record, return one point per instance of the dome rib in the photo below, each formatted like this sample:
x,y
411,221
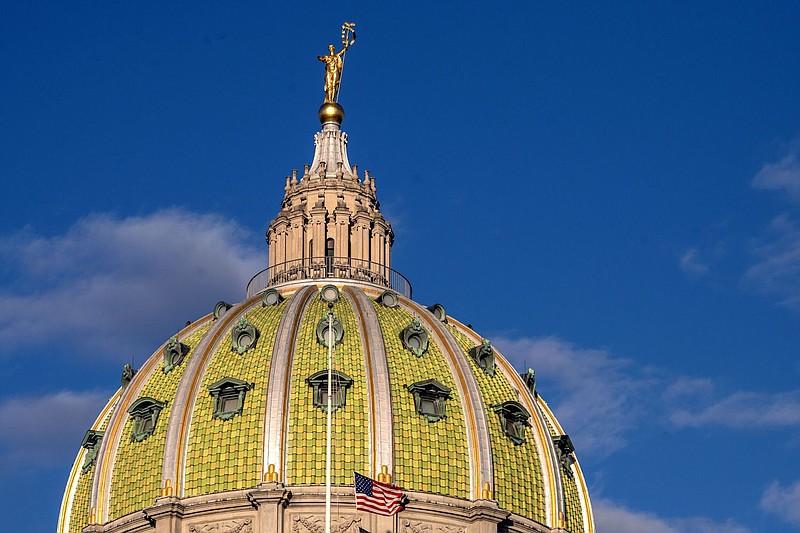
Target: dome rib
x,y
480,450
76,478
106,459
180,416
381,451
276,417
553,490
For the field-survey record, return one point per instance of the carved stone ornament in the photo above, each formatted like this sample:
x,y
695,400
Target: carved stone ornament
x,y
243,336
413,526
221,308
439,312
513,419
484,356
244,525
415,338
316,524
271,297
91,441
322,330
174,352
388,299
127,375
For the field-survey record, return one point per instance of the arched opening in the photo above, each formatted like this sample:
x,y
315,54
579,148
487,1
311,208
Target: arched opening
x,y
329,256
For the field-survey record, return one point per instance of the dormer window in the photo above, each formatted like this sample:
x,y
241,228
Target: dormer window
x,y
513,420
429,399
229,395
91,442
144,413
565,449
339,385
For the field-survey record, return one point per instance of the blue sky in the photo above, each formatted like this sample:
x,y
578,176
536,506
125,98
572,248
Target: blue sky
x,y
611,193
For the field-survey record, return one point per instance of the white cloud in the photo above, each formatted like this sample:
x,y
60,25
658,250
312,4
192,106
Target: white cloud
x,y
783,175
598,398
782,501
691,264
110,284
45,430
742,410
777,271
610,516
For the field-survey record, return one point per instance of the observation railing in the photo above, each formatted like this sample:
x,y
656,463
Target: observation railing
x,y
330,267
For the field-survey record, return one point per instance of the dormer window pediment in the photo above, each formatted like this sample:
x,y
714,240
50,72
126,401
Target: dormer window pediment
x,y
339,385
144,413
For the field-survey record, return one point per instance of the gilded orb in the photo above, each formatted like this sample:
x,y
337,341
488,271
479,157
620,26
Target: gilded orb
x,y
331,112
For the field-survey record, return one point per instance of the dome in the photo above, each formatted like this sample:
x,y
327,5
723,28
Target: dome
x,y
223,428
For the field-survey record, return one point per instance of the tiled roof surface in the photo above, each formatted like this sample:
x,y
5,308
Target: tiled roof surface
x,y
227,454
518,484
137,470
429,457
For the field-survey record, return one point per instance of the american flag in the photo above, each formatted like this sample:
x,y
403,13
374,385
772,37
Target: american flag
x,y
376,497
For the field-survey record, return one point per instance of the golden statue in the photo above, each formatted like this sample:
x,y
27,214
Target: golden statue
x,y
334,63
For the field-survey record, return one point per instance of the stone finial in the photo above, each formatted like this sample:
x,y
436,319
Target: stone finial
x,y
294,176
305,171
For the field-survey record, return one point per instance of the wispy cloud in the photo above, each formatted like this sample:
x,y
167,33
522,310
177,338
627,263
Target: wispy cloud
x,y
777,269
33,428
110,284
600,398
783,502
597,396
740,410
783,175
610,516
690,263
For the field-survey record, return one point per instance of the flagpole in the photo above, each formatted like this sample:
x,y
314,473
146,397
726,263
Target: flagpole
x,y
328,437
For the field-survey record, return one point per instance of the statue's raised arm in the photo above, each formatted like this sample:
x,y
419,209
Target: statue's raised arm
x,y
334,63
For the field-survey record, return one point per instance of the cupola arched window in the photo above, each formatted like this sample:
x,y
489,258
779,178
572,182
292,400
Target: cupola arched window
x,y
513,420
319,384
329,256
144,413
